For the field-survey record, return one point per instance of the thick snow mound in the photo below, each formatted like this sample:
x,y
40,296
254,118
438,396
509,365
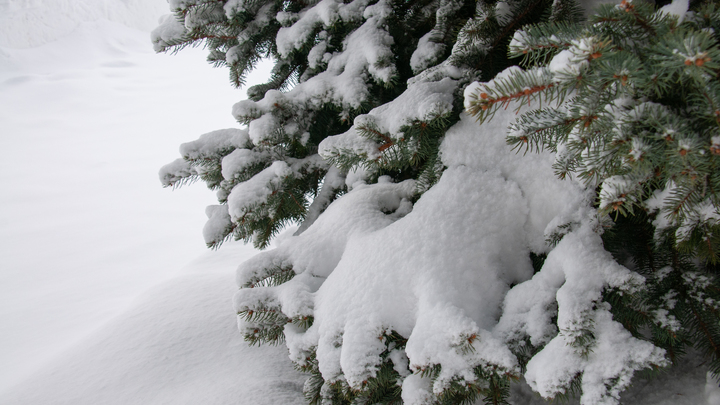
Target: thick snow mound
x,y
28,23
177,345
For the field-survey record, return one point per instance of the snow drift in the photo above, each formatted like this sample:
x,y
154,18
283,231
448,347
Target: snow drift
x,y
178,344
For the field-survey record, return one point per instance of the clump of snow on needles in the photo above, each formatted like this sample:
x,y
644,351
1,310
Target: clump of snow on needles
x,y
439,272
678,9
426,97
436,272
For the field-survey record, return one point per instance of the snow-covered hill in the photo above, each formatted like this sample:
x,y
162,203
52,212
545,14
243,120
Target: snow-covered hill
x,y
28,23
86,122
177,344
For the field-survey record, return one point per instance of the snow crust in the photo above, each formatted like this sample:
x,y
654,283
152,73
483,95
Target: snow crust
x,y
427,52
219,224
318,249
212,144
568,288
430,47
256,190
240,159
580,269
168,32
400,288
366,52
176,171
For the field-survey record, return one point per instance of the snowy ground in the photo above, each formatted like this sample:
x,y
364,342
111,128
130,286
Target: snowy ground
x,y
86,122
177,344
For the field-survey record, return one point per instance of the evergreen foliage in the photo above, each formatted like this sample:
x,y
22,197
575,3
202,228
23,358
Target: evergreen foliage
x,y
366,91
289,127
630,107
634,111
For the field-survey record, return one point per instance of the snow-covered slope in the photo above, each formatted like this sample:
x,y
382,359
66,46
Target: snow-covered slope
x,y
28,23
177,344
86,121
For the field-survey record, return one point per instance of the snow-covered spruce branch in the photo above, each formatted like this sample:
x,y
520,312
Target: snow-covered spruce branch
x,y
609,131
433,264
613,118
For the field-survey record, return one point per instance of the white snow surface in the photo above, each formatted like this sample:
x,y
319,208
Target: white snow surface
x,y
419,277
427,53
29,23
207,145
585,269
428,50
176,344
366,52
439,274
712,391
85,123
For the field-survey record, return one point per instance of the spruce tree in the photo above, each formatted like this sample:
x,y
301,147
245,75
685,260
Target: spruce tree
x,y
334,62
358,137
629,105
